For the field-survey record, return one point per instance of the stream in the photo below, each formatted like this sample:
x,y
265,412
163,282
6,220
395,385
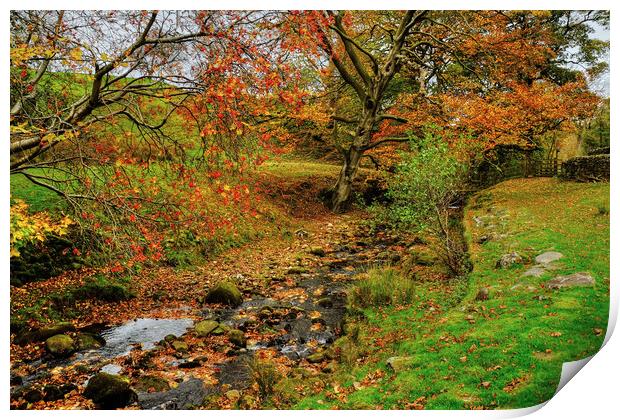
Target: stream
x,y
304,317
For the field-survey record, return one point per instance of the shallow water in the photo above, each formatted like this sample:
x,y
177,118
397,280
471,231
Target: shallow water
x,y
143,331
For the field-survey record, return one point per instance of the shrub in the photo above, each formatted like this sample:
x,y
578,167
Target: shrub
x,y
29,228
265,375
422,192
382,287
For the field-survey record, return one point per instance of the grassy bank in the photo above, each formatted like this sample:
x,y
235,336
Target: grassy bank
x,y
503,352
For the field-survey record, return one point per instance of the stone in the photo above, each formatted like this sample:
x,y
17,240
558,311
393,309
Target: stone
x,y
483,294
508,260
60,345
318,251
189,394
16,379
548,257
55,392
109,391
44,333
170,338
233,394
225,293
151,383
237,338
577,279
317,357
535,271
204,328
296,270
221,329
189,364
180,346
325,302
399,363
84,341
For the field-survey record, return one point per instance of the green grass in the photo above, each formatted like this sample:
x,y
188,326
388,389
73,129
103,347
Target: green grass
x,y
38,198
505,352
382,287
300,168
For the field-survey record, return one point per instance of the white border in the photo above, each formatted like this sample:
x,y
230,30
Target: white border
x,y
592,393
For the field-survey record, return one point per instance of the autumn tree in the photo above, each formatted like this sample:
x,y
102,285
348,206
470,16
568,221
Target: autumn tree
x,y
501,76
98,97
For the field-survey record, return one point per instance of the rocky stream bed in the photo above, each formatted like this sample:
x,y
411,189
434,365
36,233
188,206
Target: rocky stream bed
x,y
205,351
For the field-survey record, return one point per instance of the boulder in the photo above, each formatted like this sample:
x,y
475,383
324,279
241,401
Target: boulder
x,y
317,357
399,363
204,328
508,260
237,338
44,333
60,345
535,271
55,392
84,341
318,251
109,391
151,383
548,257
225,293
577,279
180,346
188,394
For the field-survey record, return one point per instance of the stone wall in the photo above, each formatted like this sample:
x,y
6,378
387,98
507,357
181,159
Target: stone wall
x,y
600,151
587,168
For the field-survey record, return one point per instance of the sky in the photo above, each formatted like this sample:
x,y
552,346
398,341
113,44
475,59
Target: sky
x,y
601,85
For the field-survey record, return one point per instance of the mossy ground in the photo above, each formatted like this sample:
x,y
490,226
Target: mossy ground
x,y
507,351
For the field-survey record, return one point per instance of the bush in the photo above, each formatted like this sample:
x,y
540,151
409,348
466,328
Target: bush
x,y
382,287
265,375
423,191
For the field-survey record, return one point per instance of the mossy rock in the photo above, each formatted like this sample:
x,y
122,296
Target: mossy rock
x,y
43,333
84,341
180,346
221,329
60,345
204,328
103,289
237,338
296,270
400,363
317,357
225,293
56,392
151,383
109,391
318,251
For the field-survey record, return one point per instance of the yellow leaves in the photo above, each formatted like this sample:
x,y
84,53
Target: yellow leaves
x,y
76,54
29,227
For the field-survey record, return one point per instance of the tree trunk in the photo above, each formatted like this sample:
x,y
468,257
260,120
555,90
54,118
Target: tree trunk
x,y
341,194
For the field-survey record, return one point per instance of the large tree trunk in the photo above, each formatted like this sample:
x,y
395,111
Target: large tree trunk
x,y
341,194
